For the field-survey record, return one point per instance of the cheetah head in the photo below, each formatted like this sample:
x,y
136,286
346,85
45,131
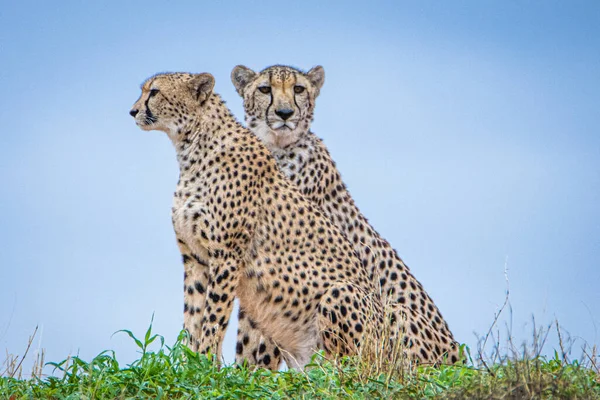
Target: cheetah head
x,y
170,101
279,101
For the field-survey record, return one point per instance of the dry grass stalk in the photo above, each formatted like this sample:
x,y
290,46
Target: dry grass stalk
x,y
13,364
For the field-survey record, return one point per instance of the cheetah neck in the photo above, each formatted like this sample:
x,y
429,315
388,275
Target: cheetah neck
x,y
210,128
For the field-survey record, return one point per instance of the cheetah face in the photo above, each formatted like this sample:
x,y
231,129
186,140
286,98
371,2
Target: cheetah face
x,y
279,101
168,101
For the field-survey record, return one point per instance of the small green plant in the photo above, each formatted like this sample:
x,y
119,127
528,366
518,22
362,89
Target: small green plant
x,y
175,372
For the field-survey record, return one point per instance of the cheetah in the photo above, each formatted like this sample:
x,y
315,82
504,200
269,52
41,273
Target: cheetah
x,y
279,104
245,231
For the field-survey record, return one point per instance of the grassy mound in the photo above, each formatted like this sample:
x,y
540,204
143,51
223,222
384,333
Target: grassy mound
x,y
174,372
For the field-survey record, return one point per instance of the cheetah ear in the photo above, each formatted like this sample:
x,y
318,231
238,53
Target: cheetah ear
x,y
202,86
317,77
241,76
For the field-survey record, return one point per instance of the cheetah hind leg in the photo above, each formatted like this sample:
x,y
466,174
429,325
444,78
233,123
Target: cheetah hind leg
x,y
348,320
420,341
254,349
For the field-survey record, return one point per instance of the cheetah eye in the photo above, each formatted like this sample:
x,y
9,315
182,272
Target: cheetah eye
x,y
299,89
265,89
153,92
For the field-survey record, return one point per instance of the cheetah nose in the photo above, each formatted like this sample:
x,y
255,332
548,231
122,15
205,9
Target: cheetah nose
x,y
134,112
284,113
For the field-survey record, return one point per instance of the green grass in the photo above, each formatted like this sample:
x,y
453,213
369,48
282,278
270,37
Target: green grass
x,y
174,372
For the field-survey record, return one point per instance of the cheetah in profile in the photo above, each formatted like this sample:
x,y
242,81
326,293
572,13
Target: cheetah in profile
x,y
245,231
279,103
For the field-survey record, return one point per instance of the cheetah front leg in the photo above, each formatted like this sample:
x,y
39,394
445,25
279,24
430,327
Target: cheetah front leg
x,y
195,280
253,348
220,293
188,222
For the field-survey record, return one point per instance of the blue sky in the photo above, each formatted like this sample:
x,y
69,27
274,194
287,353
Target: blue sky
x,y
466,131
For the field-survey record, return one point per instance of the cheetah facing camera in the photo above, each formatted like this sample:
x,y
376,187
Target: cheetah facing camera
x,y
279,104
244,230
